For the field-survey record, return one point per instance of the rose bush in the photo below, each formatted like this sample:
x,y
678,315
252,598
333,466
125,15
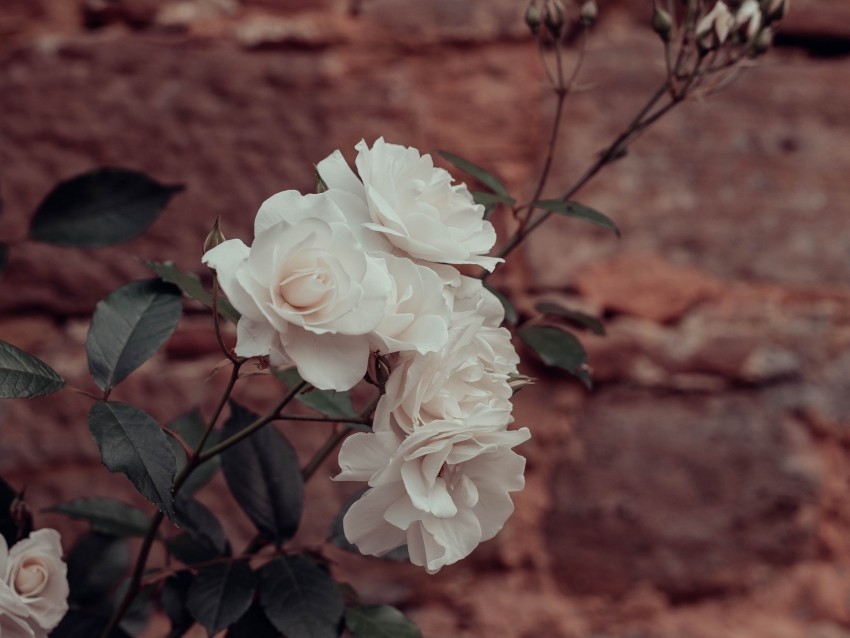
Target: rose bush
x,y
34,587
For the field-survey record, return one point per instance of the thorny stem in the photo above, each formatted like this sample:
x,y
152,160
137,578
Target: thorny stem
x,y
198,457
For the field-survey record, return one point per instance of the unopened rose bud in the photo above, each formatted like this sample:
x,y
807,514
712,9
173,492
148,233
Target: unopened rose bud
x,y
589,12
215,237
554,17
713,29
532,18
748,19
662,23
762,42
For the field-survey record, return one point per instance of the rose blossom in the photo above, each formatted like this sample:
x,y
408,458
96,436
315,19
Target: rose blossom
x,y
414,204
467,376
34,588
307,290
441,490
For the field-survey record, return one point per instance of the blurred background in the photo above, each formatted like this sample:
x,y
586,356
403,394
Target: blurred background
x,y
699,491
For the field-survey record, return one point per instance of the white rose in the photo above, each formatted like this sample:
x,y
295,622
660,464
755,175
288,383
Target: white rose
x,y
468,376
441,490
307,290
417,315
414,204
35,584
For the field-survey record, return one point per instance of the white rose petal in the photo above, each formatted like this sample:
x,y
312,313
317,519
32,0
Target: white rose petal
x,y
308,292
442,490
34,591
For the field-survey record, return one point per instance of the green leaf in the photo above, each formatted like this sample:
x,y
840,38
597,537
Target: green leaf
x,y
23,376
379,621
201,524
558,348
337,534
300,598
128,327
175,593
96,565
254,624
100,208
481,175
511,316
579,211
192,287
490,201
220,594
83,624
132,443
106,515
263,474
191,428
575,317
336,405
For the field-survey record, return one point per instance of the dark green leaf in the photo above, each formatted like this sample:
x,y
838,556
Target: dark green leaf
x,y
82,624
100,208
132,443
15,514
220,594
192,288
336,405
575,317
174,597
481,175
300,598
128,327
95,566
4,257
23,376
263,474
579,211
201,524
138,614
106,515
379,621
191,428
189,550
337,534
558,348
511,316
254,624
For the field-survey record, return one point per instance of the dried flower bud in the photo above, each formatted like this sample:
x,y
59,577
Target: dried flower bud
x,y
554,18
532,18
215,237
589,12
748,19
713,29
662,23
518,381
774,9
762,42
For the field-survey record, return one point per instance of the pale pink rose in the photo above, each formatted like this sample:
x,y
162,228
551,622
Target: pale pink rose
x,y
413,204
441,490
467,377
34,592
307,290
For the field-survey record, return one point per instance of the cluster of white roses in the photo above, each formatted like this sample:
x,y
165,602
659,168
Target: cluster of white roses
x,y
33,585
367,267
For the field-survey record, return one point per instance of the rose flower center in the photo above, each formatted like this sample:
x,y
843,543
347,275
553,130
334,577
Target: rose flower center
x,y
31,577
305,289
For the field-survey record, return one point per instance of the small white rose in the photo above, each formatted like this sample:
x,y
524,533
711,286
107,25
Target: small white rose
x,y
35,588
441,490
468,376
413,204
307,290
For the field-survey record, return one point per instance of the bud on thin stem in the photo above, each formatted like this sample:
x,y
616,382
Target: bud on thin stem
x,y
215,237
662,23
554,18
532,18
589,12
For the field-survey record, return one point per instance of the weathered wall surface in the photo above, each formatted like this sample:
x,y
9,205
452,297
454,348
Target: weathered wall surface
x,y
701,490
